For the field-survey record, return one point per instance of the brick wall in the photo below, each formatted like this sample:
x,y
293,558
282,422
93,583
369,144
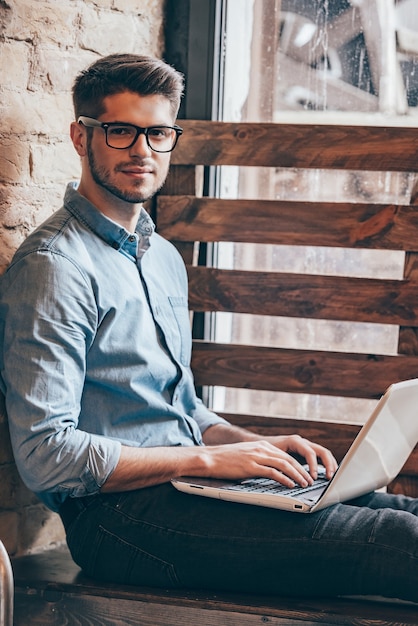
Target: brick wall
x,y
43,44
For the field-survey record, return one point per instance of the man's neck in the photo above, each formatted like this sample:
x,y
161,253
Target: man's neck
x,y
124,213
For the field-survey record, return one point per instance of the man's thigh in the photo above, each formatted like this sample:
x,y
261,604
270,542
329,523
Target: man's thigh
x,y
161,537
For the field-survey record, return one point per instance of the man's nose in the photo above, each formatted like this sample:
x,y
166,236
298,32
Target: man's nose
x,y
141,146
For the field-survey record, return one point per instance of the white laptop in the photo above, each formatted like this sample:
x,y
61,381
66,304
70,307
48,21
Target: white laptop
x,y
374,459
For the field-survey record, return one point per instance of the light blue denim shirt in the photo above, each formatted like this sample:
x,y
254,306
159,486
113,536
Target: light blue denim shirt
x,y
96,350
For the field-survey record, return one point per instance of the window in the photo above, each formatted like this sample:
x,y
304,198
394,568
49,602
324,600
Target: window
x,y
342,62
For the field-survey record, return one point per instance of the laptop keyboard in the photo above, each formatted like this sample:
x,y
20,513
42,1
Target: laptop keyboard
x,y
266,485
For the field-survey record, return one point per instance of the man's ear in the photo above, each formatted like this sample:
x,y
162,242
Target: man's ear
x,y
78,136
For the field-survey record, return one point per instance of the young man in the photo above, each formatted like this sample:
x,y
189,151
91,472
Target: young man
x,y
100,397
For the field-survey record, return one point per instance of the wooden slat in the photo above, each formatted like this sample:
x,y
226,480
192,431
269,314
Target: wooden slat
x,y
303,295
337,436
408,336
183,179
405,485
186,218
371,148
299,371
207,609
50,592
408,340
189,251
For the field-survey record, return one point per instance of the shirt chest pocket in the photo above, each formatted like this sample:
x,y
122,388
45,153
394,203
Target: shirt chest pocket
x,y
180,331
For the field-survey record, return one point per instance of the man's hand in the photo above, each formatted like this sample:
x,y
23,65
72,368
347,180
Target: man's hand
x,y
310,451
269,458
247,455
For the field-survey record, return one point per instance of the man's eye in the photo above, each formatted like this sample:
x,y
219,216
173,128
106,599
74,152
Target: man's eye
x,y
118,131
159,133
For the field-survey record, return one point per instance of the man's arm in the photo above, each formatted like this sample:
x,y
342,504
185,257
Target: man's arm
x,y
229,452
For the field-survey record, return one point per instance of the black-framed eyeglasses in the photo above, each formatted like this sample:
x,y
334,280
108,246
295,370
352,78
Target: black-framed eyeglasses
x,y
121,136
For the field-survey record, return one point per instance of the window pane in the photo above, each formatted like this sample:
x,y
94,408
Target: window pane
x,y
325,62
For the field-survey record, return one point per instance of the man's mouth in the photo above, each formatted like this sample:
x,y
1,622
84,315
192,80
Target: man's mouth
x,y
135,170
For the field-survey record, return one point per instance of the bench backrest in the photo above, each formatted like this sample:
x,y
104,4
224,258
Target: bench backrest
x,y
186,218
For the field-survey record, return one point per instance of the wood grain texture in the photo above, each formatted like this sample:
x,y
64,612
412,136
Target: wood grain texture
x,y
302,295
203,610
349,225
375,148
50,591
299,371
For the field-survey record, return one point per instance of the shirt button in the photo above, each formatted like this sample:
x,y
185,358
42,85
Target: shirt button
x,y
131,238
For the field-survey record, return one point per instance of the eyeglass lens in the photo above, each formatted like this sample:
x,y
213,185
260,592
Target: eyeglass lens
x,y
159,138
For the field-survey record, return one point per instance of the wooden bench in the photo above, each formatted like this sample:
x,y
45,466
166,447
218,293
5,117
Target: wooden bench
x,y
49,587
50,590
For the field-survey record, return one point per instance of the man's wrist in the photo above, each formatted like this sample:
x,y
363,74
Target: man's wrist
x,y
219,434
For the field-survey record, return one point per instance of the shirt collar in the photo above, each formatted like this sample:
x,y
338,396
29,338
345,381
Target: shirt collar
x,y
112,233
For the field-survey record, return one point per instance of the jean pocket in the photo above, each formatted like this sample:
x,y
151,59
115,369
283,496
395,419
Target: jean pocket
x,y
119,561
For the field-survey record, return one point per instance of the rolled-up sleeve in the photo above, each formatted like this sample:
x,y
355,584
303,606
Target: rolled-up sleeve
x,y
49,321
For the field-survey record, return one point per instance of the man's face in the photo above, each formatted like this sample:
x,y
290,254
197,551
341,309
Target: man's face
x,y
133,174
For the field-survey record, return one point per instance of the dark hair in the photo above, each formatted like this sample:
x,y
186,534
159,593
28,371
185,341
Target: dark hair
x,y
117,73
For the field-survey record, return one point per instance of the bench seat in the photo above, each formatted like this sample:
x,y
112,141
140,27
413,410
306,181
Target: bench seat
x,y
51,589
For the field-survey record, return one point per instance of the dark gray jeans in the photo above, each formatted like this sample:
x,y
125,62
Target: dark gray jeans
x,y
160,537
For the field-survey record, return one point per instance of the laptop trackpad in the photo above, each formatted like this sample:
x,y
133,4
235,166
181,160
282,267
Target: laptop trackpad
x,y
312,496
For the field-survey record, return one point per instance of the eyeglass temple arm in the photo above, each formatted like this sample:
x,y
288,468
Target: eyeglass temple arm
x,y
88,121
